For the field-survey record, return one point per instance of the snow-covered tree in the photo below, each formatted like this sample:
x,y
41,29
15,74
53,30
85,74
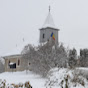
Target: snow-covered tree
x,y
2,68
72,58
44,57
27,56
84,57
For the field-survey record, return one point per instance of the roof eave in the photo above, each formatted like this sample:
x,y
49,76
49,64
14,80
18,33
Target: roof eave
x,y
49,28
8,56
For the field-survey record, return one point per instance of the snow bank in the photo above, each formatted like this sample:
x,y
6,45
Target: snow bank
x,y
66,78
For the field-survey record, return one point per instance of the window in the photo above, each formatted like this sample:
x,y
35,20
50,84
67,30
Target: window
x,y
18,62
43,36
29,63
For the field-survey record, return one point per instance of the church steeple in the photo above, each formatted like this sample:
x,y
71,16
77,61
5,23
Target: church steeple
x,y
48,29
49,20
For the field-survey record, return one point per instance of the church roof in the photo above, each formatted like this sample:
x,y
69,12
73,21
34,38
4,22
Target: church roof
x,y
49,22
18,49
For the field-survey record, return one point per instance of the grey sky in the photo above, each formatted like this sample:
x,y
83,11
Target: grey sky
x,y
22,18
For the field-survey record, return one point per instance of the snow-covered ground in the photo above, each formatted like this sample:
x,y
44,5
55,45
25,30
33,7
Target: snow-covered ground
x,y
60,77
57,78
21,77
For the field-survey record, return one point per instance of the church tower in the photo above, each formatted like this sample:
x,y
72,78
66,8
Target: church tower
x,y
49,32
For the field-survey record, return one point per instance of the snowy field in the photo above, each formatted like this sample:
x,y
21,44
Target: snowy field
x,y
21,77
57,78
60,77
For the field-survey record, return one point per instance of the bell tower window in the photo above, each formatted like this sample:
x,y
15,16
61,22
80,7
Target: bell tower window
x,y
43,36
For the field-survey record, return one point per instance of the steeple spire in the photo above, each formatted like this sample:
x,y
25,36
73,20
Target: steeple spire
x,y
49,8
49,21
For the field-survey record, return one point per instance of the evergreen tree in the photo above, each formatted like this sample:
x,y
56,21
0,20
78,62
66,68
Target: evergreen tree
x,y
84,57
72,58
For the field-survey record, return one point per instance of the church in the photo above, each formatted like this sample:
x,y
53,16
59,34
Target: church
x,y
48,32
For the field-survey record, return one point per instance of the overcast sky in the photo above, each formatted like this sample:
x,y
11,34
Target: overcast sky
x,y
22,19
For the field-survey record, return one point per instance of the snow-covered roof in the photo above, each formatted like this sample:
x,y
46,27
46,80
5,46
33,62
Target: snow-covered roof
x,y
49,22
16,51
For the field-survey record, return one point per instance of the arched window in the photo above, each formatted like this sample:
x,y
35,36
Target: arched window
x,y
18,62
